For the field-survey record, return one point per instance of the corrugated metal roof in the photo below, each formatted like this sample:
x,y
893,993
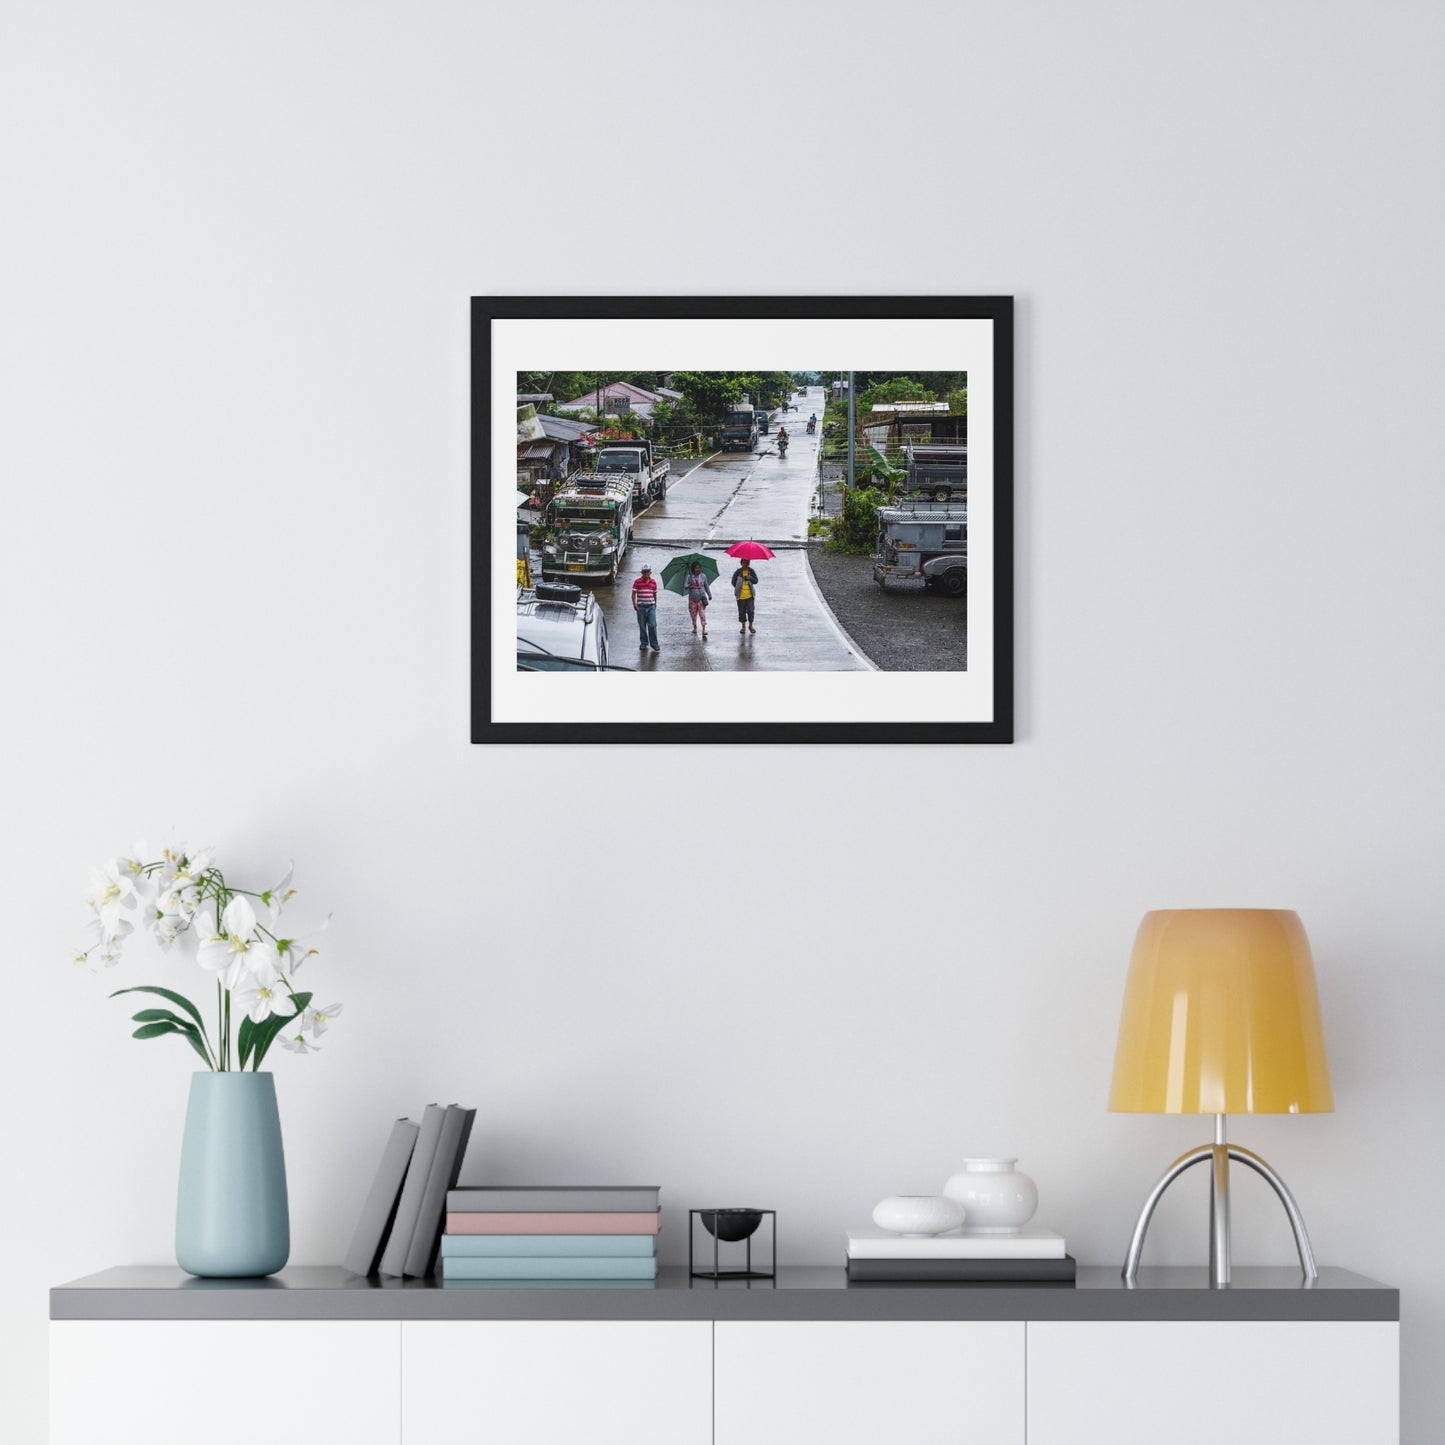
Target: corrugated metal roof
x,y
565,429
537,450
613,388
932,407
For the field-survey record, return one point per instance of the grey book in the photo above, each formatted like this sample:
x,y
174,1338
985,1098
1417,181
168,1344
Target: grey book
x,y
554,1199
446,1165
380,1208
408,1207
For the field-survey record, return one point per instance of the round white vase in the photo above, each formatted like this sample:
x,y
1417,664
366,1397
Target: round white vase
x,y
918,1215
998,1199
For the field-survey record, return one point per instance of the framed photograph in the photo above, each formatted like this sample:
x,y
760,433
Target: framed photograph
x,y
742,519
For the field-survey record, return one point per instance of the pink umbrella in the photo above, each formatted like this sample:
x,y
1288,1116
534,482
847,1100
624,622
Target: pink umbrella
x,y
752,551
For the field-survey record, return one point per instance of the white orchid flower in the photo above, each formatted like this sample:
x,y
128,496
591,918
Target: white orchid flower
x,y
178,898
111,890
230,949
295,951
261,1000
293,1037
133,864
315,1020
110,955
264,961
280,894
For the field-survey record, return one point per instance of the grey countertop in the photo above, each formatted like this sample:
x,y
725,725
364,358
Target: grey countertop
x,y
799,1293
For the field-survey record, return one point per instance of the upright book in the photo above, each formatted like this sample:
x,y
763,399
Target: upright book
x,y
446,1165
379,1211
554,1199
408,1208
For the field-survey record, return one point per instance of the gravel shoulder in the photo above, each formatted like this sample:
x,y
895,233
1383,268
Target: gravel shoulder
x,y
904,628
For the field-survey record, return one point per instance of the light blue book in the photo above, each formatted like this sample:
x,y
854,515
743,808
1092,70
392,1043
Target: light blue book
x,y
537,1246
575,1267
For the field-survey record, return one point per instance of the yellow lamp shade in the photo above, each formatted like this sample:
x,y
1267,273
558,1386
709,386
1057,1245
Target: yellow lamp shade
x,y
1221,1016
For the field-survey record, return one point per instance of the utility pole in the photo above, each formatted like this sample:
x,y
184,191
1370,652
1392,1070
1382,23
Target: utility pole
x,y
852,433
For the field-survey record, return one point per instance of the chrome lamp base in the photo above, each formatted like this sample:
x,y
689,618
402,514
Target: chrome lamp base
x,y
1219,1154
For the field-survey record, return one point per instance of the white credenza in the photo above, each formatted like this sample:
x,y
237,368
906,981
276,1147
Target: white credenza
x,y
317,1356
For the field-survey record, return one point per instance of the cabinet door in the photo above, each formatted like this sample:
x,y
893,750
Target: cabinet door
x,y
225,1382
1194,1383
869,1382
553,1382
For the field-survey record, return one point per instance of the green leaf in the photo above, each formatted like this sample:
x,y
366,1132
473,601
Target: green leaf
x,y
154,1031
156,1015
193,1039
175,998
265,1033
246,1038
192,1033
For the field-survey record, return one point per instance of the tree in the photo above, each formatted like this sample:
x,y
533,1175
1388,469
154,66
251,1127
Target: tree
x,y
710,393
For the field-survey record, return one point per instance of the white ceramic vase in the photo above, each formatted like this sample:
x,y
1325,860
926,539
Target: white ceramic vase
x,y
918,1215
997,1198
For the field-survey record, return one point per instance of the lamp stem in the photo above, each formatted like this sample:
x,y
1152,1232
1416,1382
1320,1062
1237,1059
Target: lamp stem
x,y
1219,1252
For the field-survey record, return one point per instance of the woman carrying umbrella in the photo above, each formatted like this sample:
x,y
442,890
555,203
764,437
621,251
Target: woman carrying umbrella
x,y
699,594
745,581
691,576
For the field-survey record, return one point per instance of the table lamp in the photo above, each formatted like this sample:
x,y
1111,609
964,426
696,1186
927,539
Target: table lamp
x,y
1221,1016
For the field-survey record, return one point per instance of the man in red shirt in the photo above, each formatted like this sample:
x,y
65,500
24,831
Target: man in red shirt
x,y
644,604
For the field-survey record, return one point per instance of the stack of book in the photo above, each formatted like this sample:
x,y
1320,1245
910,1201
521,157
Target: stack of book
x,y
520,1232
1032,1256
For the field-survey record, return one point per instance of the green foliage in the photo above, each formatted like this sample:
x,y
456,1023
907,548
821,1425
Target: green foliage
x,y
158,1022
856,531
819,526
958,402
710,393
899,388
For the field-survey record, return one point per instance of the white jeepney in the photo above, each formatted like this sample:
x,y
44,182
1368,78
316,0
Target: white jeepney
x,y
925,541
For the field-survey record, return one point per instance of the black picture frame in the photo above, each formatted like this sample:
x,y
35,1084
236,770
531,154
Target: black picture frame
x,y
996,727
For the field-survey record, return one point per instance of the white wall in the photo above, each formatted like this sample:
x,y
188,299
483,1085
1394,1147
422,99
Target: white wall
x,y
237,252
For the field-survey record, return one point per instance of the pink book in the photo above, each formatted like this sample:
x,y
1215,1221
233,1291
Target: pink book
x,y
530,1223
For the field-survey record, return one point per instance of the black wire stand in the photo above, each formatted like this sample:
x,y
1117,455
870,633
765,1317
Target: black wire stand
x,y
721,1271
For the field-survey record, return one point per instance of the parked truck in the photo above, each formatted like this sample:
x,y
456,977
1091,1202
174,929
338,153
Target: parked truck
x,y
740,429
926,541
937,472
641,463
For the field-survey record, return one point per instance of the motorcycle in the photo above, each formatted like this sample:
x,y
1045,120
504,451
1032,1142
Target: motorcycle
x,y
782,444
812,424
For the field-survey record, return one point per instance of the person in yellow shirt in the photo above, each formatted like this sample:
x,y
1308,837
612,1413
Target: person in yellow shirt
x,y
745,587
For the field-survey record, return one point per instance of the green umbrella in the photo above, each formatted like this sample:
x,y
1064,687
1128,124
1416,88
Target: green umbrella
x,y
676,570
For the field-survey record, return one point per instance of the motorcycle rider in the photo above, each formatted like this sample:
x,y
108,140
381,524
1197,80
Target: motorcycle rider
x,y
782,441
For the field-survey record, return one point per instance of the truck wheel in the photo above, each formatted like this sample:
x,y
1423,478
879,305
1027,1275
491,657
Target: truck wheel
x,y
955,582
941,494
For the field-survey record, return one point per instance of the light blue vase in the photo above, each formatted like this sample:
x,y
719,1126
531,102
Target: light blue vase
x,y
231,1216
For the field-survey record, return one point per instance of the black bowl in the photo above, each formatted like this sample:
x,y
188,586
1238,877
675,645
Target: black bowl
x,y
731,1225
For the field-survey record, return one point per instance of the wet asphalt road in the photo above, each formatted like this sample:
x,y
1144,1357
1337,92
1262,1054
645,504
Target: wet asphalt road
x,y
728,498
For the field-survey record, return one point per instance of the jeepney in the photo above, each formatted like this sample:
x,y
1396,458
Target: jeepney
x,y
588,527
926,542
